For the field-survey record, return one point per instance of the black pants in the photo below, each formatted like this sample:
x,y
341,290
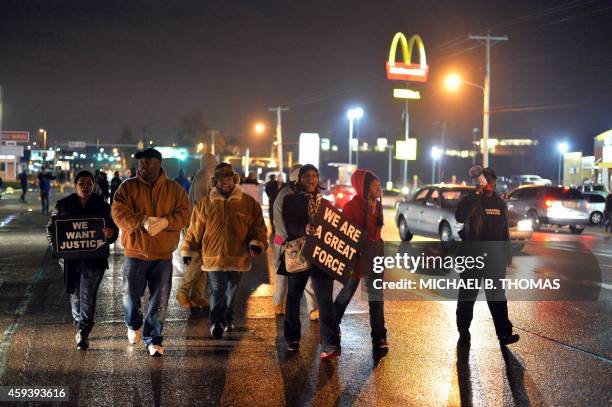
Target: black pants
x,y
83,300
496,300
328,327
376,305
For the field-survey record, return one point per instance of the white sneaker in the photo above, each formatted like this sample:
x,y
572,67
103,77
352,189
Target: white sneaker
x,y
134,336
155,350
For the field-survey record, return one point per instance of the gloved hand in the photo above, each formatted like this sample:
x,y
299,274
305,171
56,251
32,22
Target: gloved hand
x,y
156,226
148,221
186,260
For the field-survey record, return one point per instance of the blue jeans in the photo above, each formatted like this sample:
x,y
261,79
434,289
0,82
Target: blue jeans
x,y
44,201
375,304
83,301
137,274
223,287
323,288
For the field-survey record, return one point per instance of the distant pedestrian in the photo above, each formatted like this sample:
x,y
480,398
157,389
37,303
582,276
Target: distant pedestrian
x,y
193,293
44,186
150,210
82,276
299,210
250,186
183,180
226,229
365,209
272,189
1,187
24,181
103,185
608,213
114,185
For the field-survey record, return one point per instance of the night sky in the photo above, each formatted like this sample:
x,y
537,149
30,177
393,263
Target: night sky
x,y
84,69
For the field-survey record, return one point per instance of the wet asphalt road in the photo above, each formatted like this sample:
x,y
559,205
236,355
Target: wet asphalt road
x,y
564,356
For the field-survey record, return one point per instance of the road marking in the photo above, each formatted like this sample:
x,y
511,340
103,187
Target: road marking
x,y
599,356
9,332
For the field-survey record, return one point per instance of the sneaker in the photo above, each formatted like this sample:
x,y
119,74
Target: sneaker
x,y
279,309
330,355
314,315
230,328
293,346
507,340
134,336
155,350
182,299
82,341
217,331
380,344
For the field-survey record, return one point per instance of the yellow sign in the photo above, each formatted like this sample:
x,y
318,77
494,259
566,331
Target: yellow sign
x,y
407,71
406,94
406,149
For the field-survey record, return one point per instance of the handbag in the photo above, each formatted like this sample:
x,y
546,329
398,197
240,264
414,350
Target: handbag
x,y
294,261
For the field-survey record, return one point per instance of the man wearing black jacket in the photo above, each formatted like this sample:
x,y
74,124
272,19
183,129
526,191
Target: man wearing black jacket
x,y
485,218
82,276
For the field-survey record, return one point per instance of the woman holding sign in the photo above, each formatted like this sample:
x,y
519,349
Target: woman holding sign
x,y
365,209
298,211
82,275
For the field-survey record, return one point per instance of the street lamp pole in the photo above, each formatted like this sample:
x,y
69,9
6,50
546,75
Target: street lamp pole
x,y
350,146
486,113
357,138
279,136
390,180
406,135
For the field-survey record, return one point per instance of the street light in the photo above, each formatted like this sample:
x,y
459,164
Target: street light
x,y
452,82
259,128
562,148
352,114
436,153
44,133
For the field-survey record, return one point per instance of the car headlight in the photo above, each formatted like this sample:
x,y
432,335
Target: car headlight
x,y
524,225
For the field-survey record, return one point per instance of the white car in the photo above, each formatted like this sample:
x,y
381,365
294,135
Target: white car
x,y
597,205
519,180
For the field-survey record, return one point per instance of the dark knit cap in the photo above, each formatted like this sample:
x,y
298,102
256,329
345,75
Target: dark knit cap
x,y
223,170
84,173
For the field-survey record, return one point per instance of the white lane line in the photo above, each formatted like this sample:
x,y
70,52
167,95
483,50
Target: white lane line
x,y
9,332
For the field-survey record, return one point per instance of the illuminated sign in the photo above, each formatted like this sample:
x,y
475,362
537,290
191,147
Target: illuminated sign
x,y
407,71
406,94
22,136
309,149
406,149
180,153
381,144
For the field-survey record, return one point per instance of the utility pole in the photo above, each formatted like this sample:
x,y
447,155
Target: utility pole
x,y
406,136
488,41
443,149
279,135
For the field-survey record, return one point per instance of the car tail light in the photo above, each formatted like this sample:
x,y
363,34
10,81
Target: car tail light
x,y
340,195
548,203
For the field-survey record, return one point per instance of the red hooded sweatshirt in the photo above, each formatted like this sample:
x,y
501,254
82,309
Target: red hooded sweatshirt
x,y
357,208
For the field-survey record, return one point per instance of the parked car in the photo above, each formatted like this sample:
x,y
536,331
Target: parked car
x,y
597,205
598,189
547,205
431,211
519,180
339,195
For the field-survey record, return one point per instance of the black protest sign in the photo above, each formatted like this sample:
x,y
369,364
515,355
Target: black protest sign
x,y
336,243
80,238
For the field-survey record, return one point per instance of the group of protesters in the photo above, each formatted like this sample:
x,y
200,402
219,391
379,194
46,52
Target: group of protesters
x,y
223,229
217,228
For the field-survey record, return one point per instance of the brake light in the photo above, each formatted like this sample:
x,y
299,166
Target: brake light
x,y
340,195
548,203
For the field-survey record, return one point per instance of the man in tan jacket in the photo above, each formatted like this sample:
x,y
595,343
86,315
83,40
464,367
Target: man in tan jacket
x,y
227,228
150,210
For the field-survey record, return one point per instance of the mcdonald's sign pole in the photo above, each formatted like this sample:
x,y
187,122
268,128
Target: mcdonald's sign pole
x,y
407,72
